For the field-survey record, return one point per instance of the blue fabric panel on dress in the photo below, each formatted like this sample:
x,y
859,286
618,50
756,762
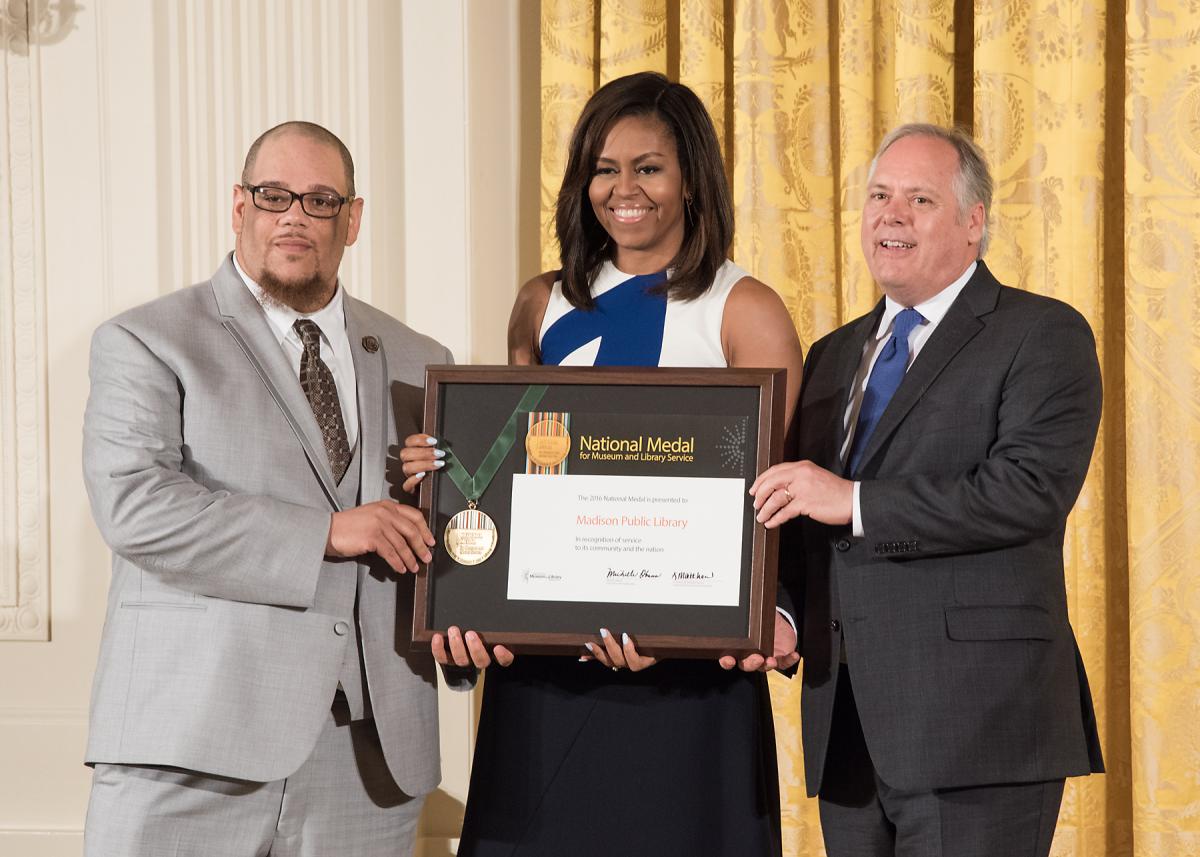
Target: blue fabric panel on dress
x,y
629,320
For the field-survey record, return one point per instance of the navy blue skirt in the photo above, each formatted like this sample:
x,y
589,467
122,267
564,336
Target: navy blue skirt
x,y
575,759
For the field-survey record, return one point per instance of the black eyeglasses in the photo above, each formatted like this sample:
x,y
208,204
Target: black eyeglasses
x,y
315,203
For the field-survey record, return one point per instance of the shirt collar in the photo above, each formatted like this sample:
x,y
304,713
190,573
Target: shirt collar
x,y
329,317
931,310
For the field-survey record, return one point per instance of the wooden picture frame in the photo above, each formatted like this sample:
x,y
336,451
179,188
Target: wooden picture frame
x,y
733,421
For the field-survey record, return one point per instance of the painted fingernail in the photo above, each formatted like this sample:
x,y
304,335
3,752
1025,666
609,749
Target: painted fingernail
x,y
590,648
432,441
439,463
419,476
624,639
439,453
604,633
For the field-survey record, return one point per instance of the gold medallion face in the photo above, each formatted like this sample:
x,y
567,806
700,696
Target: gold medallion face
x,y
471,536
547,443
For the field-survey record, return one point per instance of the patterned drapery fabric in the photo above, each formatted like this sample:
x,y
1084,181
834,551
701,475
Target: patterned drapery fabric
x,y
1089,111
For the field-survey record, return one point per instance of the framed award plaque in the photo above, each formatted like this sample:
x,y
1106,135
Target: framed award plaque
x,y
579,498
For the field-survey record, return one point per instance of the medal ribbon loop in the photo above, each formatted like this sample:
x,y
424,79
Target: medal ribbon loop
x,y
473,486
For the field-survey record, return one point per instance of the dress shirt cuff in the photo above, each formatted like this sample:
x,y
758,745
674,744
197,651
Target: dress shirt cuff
x,y
856,525
788,617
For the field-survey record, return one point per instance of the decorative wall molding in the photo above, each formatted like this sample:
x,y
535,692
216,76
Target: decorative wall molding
x,y
226,71
24,510
47,21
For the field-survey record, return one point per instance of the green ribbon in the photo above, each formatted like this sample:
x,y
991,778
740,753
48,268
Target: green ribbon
x,y
473,487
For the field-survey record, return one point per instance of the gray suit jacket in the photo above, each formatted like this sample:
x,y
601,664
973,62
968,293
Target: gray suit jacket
x,y
953,607
209,480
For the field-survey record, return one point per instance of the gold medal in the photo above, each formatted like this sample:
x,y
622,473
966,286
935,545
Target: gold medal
x,y
471,536
547,443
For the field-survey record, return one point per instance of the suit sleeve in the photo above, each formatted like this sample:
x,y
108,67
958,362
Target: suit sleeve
x,y
1028,481
241,547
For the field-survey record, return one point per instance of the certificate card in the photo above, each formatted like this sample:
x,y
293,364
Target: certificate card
x,y
627,539
581,498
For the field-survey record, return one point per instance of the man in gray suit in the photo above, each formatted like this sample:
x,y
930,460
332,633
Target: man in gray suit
x,y
944,438
255,691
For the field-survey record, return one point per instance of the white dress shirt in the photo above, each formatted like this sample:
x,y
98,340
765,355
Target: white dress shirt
x,y
933,311
335,345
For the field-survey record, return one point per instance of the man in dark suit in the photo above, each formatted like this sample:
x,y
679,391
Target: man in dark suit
x,y
944,438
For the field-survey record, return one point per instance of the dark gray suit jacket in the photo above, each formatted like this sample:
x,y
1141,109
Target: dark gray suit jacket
x,y
953,607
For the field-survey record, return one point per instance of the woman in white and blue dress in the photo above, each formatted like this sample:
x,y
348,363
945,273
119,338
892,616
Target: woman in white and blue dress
x,y
618,754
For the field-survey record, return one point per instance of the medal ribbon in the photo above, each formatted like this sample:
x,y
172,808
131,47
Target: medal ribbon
x,y
472,487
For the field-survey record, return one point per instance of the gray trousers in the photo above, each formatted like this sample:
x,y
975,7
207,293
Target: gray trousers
x,y
342,800
862,816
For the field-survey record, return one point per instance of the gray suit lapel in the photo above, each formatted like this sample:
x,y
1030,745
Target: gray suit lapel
x,y
246,323
960,324
371,369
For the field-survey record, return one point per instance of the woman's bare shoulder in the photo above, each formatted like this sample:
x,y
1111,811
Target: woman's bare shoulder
x,y
528,310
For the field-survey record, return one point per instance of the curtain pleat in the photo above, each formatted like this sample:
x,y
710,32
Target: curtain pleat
x,y
1162,419
569,77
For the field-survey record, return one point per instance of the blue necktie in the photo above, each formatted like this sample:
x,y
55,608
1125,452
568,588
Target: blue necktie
x,y
885,379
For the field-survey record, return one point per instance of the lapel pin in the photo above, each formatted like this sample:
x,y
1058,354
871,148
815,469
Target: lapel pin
x,y
370,344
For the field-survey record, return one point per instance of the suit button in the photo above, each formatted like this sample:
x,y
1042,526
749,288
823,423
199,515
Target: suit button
x,y
341,629
843,545
835,625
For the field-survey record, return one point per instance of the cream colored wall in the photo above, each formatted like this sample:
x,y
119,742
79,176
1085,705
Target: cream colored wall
x,y
121,133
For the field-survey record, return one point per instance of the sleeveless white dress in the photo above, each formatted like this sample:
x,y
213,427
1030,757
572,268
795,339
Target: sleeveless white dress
x,y
629,327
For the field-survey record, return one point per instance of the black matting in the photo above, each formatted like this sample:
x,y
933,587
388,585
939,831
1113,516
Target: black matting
x,y
724,415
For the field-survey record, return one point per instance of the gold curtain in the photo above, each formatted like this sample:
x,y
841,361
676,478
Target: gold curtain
x,y
1089,111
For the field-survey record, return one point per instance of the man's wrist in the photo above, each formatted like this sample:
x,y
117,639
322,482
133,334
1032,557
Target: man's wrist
x,y
329,536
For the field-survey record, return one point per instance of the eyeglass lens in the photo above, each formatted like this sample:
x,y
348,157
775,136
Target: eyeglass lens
x,y
315,203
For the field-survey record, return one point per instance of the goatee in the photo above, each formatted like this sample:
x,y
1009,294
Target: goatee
x,y
307,295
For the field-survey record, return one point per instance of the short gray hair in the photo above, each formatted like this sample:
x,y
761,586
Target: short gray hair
x,y
973,181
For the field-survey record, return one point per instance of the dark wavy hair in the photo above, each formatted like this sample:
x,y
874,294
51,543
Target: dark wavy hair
x,y
708,216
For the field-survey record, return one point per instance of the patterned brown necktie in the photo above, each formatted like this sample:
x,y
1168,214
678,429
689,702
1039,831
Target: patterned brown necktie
x,y
321,391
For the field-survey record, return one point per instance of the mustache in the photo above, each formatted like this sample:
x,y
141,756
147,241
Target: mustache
x,y
292,236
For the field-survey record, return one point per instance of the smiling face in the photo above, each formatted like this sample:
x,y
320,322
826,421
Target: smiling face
x,y
637,192
292,256
914,237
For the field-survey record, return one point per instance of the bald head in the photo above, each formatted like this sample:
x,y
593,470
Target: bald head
x,y
308,131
